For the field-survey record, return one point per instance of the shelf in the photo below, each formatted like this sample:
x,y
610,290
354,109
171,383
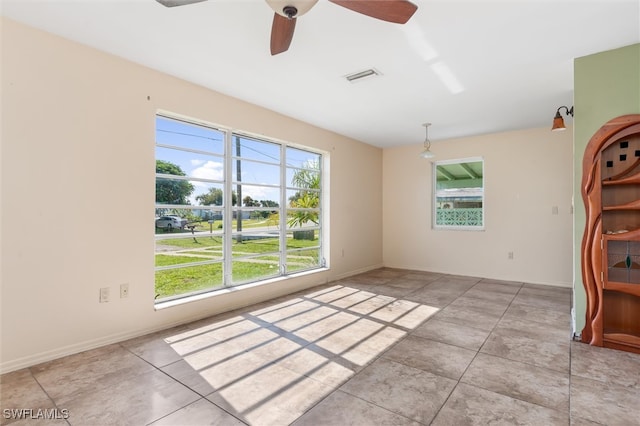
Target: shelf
x,y
630,235
631,180
622,236
627,288
622,341
633,205
622,337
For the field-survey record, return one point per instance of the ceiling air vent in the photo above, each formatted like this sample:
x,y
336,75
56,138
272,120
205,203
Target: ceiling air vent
x,y
361,75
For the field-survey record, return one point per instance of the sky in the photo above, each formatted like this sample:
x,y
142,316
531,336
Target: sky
x,y
201,157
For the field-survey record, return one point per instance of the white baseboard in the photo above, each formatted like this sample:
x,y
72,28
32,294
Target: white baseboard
x,y
357,271
31,360
436,271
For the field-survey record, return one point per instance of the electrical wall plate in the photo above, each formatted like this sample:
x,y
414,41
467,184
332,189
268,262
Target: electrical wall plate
x,y
104,294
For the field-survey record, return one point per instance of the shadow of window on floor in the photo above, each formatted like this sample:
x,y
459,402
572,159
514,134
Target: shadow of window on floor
x,y
270,365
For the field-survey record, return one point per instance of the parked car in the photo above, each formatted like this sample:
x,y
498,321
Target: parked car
x,y
170,222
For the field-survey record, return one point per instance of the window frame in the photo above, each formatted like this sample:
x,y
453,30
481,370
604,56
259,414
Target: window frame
x,y
227,210
434,188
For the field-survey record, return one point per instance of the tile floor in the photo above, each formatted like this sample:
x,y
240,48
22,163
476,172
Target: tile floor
x,y
388,347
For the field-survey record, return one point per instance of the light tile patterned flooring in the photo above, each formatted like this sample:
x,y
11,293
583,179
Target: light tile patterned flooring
x,y
388,347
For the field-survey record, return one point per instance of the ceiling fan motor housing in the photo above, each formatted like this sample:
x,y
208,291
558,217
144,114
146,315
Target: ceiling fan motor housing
x,y
291,8
290,11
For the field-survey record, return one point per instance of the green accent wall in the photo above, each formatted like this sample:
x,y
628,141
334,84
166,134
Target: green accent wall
x,y
606,85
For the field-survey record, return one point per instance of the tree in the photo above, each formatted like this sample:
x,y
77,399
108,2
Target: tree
x,y
306,178
250,202
308,197
306,200
211,198
264,214
172,191
214,198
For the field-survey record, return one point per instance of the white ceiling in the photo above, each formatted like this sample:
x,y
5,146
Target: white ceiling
x,y
512,59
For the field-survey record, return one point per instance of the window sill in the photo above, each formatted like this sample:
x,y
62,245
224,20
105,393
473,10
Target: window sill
x,y
227,290
458,228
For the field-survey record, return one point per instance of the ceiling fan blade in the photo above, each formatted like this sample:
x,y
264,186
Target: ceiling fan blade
x,y
281,33
172,3
397,11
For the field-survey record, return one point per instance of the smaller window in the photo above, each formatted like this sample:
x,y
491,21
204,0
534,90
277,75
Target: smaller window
x,y
458,194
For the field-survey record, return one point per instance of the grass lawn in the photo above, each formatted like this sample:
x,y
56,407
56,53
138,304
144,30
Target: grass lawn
x,y
266,245
173,282
216,226
189,242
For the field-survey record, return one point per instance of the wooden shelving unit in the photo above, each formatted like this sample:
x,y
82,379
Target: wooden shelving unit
x,y
611,242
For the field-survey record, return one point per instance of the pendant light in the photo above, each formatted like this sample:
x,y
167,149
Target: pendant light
x,y
427,144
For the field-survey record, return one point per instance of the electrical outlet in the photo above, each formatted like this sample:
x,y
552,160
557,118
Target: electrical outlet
x,y
510,255
124,290
104,294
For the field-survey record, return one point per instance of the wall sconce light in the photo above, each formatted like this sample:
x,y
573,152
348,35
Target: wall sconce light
x,y
558,121
427,144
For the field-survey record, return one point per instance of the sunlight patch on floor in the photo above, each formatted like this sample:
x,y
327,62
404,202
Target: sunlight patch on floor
x,y
274,363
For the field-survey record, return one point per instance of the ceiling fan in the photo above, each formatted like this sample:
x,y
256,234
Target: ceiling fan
x,y
287,11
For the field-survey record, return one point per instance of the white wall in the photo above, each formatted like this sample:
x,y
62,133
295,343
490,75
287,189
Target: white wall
x,y
78,193
526,174
78,150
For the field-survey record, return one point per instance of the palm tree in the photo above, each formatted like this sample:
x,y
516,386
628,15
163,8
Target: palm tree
x,y
308,197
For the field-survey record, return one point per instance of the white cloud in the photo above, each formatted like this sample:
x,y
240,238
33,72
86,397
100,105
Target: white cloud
x,y
215,171
196,162
208,170
259,193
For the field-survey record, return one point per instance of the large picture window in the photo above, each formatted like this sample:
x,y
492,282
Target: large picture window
x,y
458,201
231,208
